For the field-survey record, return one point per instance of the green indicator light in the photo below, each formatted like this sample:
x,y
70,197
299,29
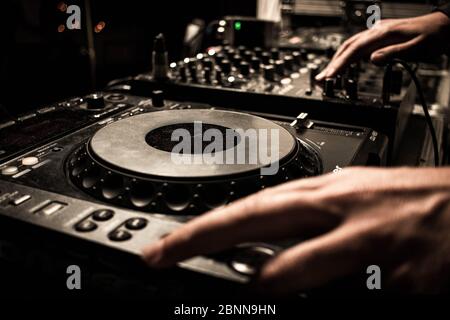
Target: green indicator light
x,y
237,25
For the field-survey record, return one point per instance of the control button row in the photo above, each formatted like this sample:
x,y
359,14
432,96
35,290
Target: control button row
x,y
120,234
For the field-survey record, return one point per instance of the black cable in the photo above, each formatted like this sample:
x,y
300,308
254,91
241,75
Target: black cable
x,y
386,95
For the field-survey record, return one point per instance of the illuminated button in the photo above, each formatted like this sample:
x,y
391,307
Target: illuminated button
x,y
85,226
248,261
103,215
52,208
30,161
10,170
21,200
119,235
136,224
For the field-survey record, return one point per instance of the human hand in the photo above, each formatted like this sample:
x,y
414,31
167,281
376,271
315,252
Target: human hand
x,y
393,38
398,219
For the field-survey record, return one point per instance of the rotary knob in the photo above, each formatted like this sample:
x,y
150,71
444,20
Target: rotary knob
x,y
279,67
95,101
236,59
269,73
256,64
275,53
226,66
351,88
265,57
329,88
258,52
158,99
244,68
289,63
297,57
247,55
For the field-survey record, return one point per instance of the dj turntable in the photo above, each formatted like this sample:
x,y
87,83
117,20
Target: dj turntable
x,y
107,178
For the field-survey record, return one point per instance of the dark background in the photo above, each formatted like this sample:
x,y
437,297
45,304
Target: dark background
x,y
39,65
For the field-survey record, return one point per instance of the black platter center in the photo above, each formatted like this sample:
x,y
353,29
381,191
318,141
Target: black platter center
x,y
198,136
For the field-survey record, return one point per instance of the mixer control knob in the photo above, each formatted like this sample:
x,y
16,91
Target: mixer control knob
x,y
95,101
297,57
247,55
304,54
289,63
230,53
351,88
207,74
256,64
219,58
241,49
219,75
313,72
192,63
158,99
244,68
266,57
236,59
275,53
258,52
226,66
182,72
269,73
329,88
353,71
207,63
279,67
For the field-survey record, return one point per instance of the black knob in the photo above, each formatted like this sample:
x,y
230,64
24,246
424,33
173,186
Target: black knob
x,y
256,64
192,63
279,67
275,53
95,101
230,53
183,73
242,49
304,54
219,75
289,63
329,88
247,55
266,57
158,98
226,66
296,55
269,73
353,71
236,59
207,63
207,74
313,72
244,68
219,58
351,88
258,51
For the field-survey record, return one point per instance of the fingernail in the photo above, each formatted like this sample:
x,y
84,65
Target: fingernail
x,y
320,76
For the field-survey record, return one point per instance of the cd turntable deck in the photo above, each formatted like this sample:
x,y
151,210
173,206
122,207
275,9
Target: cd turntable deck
x,y
108,181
